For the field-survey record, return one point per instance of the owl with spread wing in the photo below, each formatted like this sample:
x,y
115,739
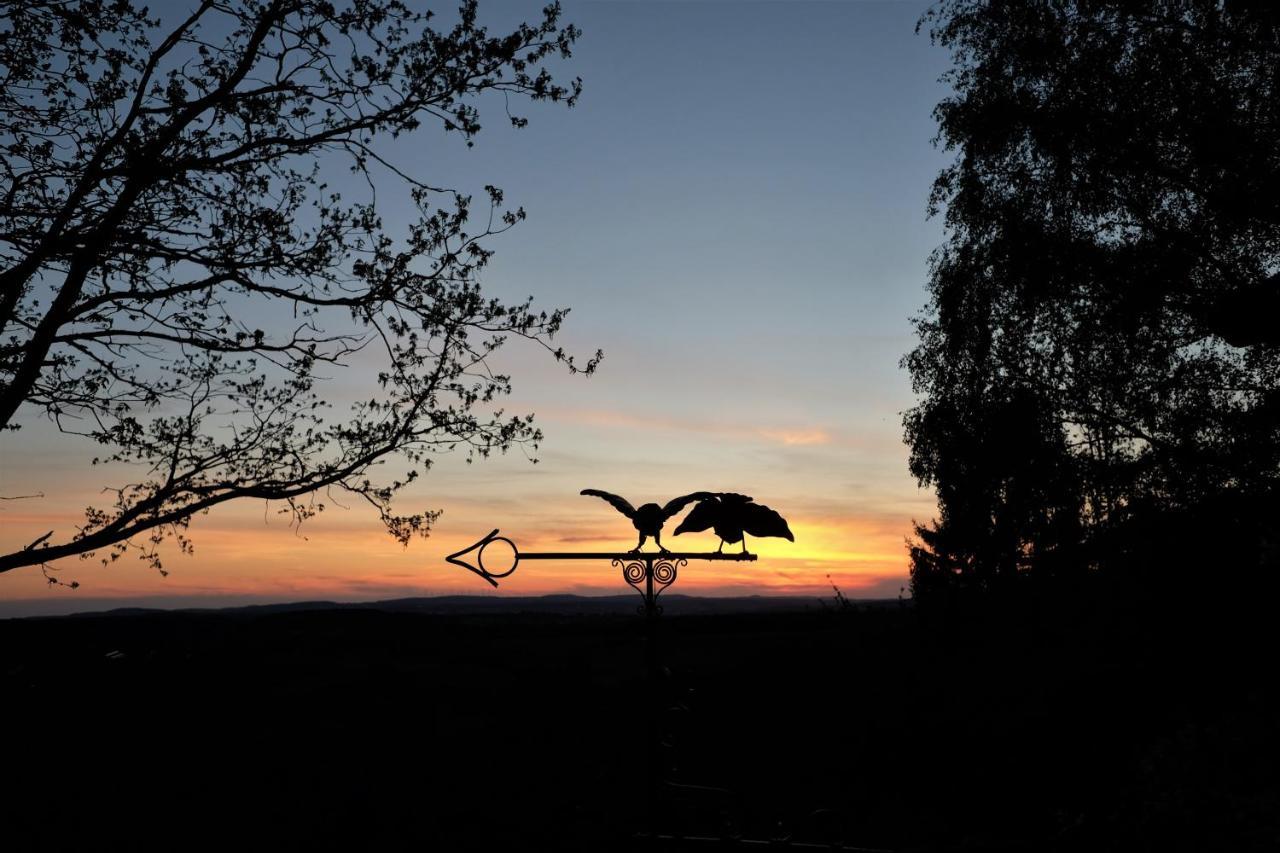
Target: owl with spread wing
x,y
649,518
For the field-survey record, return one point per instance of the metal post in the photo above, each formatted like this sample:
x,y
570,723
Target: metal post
x,y
653,711
649,603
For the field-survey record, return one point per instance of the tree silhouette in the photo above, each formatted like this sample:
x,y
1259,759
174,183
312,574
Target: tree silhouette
x,y
1100,341
176,269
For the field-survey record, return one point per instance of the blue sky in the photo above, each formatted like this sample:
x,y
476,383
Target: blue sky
x,y
735,212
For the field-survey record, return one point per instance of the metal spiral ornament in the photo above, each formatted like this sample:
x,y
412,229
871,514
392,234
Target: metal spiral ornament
x,y
633,572
664,573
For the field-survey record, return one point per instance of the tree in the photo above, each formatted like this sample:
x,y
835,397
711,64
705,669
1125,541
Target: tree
x,y
176,269
1112,260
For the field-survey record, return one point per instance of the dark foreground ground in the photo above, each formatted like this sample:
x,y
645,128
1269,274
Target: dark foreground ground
x,y
377,729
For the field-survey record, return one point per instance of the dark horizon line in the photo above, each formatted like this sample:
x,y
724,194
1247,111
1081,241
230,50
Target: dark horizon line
x,y
491,603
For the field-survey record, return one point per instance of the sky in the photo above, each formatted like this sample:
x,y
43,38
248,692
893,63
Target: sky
x,y
735,212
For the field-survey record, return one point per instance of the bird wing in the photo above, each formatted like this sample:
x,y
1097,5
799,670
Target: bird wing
x,y
702,517
620,504
674,506
759,520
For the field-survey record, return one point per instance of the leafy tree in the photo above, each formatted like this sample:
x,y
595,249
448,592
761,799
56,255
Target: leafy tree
x,y
1110,271
176,271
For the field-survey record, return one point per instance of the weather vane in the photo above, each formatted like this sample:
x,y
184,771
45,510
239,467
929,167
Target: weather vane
x,y
730,516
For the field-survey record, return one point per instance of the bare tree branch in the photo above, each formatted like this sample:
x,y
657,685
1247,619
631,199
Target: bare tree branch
x,y
164,189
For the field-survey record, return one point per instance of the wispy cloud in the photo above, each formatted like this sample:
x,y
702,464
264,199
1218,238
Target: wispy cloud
x,y
784,435
797,436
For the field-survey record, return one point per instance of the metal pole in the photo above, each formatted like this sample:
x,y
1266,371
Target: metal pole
x,y
653,710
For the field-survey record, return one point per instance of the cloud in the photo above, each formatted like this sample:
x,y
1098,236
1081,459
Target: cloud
x,y
801,437
787,436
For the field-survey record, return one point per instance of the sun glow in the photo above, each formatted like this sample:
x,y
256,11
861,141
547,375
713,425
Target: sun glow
x,y
240,552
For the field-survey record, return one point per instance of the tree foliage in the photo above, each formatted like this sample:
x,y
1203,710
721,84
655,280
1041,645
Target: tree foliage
x,y
1100,344
178,274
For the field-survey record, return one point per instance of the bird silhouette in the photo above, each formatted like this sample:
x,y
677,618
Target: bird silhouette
x,y
732,516
649,518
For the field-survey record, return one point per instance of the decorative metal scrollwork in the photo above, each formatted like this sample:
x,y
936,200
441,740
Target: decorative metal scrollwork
x,y
664,573
633,572
649,576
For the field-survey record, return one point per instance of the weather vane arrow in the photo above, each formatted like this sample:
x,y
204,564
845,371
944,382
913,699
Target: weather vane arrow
x,y
618,556
648,572
731,515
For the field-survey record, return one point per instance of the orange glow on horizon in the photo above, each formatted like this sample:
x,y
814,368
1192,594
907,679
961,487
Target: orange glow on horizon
x,y
342,556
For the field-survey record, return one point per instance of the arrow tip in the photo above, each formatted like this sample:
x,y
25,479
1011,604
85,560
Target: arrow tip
x,y
479,568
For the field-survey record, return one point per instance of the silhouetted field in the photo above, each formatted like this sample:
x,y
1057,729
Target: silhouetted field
x,y
376,729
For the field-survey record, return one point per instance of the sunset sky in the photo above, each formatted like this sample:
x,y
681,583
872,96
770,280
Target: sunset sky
x,y
735,213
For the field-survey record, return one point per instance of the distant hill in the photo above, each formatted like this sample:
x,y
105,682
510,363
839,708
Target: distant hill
x,y
624,604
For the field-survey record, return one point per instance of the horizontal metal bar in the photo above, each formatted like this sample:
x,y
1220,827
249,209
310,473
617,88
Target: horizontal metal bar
x,y
678,842
627,555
